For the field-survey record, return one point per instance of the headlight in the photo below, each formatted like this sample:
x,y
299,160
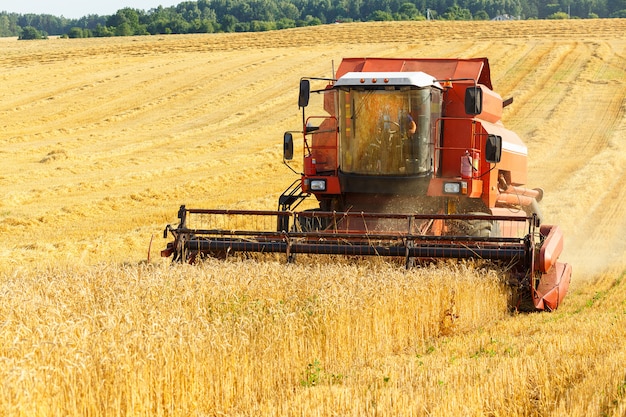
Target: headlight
x,y
451,188
318,185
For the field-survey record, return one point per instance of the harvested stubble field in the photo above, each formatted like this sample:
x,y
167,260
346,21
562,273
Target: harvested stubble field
x,y
102,140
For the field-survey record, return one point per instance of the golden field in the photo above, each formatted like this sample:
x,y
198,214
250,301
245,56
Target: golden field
x,y
103,139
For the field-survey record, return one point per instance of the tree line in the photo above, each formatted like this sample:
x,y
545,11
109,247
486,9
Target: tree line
x,y
209,16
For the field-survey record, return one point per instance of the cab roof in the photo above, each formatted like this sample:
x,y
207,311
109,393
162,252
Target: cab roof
x,y
381,79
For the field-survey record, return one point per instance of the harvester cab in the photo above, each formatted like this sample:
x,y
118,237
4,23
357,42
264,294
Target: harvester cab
x,y
405,158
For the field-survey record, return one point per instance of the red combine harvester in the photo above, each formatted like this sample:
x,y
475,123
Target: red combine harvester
x,y
405,158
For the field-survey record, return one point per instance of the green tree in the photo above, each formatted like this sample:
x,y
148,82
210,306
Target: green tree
x,y
285,23
379,16
126,22
408,11
8,25
179,25
88,22
102,31
288,10
43,22
312,21
456,13
558,16
261,26
124,29
614,7
75,32
30,33
202,26
228,23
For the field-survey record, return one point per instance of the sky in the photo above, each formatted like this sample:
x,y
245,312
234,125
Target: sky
x,y
74,9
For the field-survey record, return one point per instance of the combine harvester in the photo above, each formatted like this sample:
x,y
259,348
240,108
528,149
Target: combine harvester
x,y
407,158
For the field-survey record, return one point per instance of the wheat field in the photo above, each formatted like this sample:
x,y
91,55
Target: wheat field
x,y
103,139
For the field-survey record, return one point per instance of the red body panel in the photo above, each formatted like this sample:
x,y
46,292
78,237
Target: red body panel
x,y
458,137
323,151
551,248
553,287
440,68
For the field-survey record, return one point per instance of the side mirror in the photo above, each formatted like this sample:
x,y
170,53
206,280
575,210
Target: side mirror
x,y
305,93
288,146
493,149
473,100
